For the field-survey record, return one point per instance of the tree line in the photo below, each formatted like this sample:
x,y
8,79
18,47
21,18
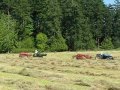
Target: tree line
x,y
59,25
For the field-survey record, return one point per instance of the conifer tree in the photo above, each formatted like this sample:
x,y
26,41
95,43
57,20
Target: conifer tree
x,y
48,16
116,25
74,25
20,10
7,33
95,10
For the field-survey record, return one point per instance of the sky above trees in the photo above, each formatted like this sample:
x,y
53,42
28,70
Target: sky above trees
x,y
109,1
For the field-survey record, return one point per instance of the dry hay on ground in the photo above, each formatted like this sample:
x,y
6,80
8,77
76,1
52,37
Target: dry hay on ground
x,y
59,71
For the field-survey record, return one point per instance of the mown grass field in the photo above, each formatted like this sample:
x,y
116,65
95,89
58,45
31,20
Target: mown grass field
x,y
59,71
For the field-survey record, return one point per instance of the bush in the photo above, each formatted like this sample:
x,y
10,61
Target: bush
x,y
18,50
116,42
41,41
107,44
26,43
57,44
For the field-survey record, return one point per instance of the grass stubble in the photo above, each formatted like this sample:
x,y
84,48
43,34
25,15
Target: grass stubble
x,y
59,71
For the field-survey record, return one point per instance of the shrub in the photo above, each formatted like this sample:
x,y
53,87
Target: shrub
x,y
26,43
107,44
41,41
18,50
57,44
116,42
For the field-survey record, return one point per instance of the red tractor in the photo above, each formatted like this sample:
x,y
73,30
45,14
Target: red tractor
x,y
25,54
82,56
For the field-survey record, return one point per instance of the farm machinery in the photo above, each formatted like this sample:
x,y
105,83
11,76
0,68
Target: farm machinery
x,y
39,54
104,56
98,56
82,56
26,54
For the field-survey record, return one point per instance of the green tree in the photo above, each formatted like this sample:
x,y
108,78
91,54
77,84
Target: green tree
x,y
116,25
26,43
58,44
95,11
46,16
108,22
7,33
70,24
21,11
107,44
41,40
74,24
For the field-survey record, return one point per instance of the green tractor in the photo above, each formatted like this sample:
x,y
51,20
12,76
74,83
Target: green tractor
x,y
39,54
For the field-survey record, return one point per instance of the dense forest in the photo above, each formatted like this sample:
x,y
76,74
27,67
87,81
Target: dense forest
x,y
59,25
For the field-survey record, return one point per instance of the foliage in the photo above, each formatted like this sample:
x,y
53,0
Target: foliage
x,y
18,50
26,43
41,41
68,25
107,44
7,33
58,44
116,25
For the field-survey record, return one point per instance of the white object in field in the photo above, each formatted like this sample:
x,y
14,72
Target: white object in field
x,y
36,51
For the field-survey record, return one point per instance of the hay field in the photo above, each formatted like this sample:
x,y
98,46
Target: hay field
x,y
59,71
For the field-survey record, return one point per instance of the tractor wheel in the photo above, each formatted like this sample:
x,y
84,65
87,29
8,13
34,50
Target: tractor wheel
x,y
110,58
34,55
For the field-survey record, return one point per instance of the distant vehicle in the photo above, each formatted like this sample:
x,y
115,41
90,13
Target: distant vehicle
x,y
104,56
38,54
24,54
82,56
